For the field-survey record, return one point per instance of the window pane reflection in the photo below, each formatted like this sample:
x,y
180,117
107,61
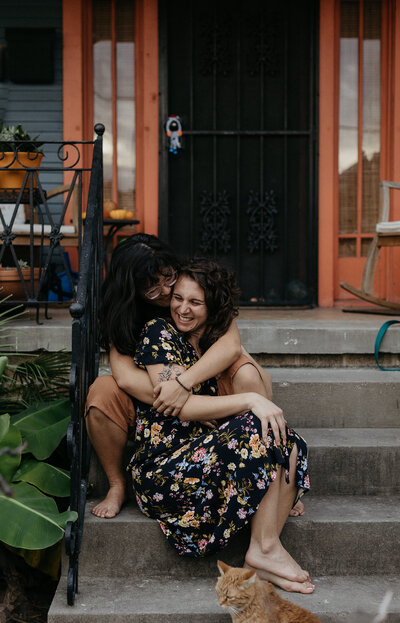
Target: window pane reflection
x,y
102,84
125,103
119,150
348,118
347,247
371,115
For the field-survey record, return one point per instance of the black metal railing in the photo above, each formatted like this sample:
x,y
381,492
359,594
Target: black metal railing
x,y
36,198
85,357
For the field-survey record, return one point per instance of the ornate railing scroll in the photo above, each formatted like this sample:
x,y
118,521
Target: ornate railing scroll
x,y
85,357
35,203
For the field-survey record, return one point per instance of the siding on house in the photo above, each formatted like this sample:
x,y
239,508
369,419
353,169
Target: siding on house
x,y
37,107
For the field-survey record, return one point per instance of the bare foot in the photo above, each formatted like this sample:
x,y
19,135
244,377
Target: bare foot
x,y
292,587
275,560
111,505
297,510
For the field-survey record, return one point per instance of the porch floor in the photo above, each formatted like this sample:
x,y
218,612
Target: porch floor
x,y
280,331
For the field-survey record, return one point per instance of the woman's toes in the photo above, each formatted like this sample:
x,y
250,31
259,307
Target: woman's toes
x,y
297,510
300,587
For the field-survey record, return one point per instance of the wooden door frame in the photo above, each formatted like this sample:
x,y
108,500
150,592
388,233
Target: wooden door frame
x,y
147,114
328,112
328,141
78,95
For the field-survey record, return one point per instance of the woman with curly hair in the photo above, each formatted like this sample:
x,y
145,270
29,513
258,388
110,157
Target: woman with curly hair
x,y
137,288
204,485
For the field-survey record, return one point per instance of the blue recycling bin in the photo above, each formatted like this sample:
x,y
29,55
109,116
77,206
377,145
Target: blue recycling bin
x,y
60,289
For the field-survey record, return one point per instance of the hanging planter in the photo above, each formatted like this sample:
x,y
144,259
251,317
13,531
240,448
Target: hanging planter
x,y
10,178
17,151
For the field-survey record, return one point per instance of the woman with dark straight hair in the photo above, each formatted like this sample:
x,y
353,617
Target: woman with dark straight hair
x,y
136,265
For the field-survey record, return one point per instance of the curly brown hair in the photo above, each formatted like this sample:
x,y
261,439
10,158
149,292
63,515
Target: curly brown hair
x,y
221,294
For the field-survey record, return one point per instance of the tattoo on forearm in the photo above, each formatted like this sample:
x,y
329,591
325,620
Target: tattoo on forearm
x,y
168,372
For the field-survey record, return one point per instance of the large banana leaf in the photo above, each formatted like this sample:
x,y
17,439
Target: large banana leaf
x,y
43,426
11,439
47,478
30,519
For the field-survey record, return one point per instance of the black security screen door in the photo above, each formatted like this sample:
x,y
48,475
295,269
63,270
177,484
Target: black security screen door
x,y
242,79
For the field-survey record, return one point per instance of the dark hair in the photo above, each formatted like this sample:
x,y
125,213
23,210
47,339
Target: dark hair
x,y
221,293
136,263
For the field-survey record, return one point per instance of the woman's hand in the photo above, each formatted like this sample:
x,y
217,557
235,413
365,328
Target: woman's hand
x,y
170,397
270,415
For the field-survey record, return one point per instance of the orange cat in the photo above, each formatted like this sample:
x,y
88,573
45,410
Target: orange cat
x,y
251,600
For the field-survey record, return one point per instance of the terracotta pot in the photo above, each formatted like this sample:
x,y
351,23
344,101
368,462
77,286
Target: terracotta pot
x,y
15,179
10,282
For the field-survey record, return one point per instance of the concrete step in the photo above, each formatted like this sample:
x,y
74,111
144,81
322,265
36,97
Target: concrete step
x,y
337,536
334,397
353,461
281,337
347,461
169,600
337,397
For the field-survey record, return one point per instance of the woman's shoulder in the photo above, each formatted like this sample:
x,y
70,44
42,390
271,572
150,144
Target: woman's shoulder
x,y
158,329
159,324
160,343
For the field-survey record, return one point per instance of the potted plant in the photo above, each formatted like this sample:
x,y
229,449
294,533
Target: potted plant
x,y
11,284
18,150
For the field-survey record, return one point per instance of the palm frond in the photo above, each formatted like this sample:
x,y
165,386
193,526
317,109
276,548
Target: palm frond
x,y
12,405
42,376
45,377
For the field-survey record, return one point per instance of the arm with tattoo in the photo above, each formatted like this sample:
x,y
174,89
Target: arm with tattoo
x,y
168,372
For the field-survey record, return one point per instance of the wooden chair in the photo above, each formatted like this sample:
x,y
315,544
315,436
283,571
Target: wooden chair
x,y
387,235
40,232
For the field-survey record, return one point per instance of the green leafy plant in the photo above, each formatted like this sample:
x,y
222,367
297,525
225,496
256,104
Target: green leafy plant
x,y
15,138
23,264
38,427
34,521
39,377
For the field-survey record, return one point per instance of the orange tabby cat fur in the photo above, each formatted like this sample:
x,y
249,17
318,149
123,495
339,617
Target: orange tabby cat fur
x,y
251,600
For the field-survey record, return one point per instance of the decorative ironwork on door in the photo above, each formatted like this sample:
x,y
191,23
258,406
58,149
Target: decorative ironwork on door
x,y
242,188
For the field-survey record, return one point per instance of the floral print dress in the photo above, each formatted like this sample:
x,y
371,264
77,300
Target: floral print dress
x,y
201,484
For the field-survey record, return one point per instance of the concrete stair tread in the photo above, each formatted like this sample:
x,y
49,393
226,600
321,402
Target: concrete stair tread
x,y
347,461
176,601
263,330
351,437
332,375
336,536
337,397
314,331
328,509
